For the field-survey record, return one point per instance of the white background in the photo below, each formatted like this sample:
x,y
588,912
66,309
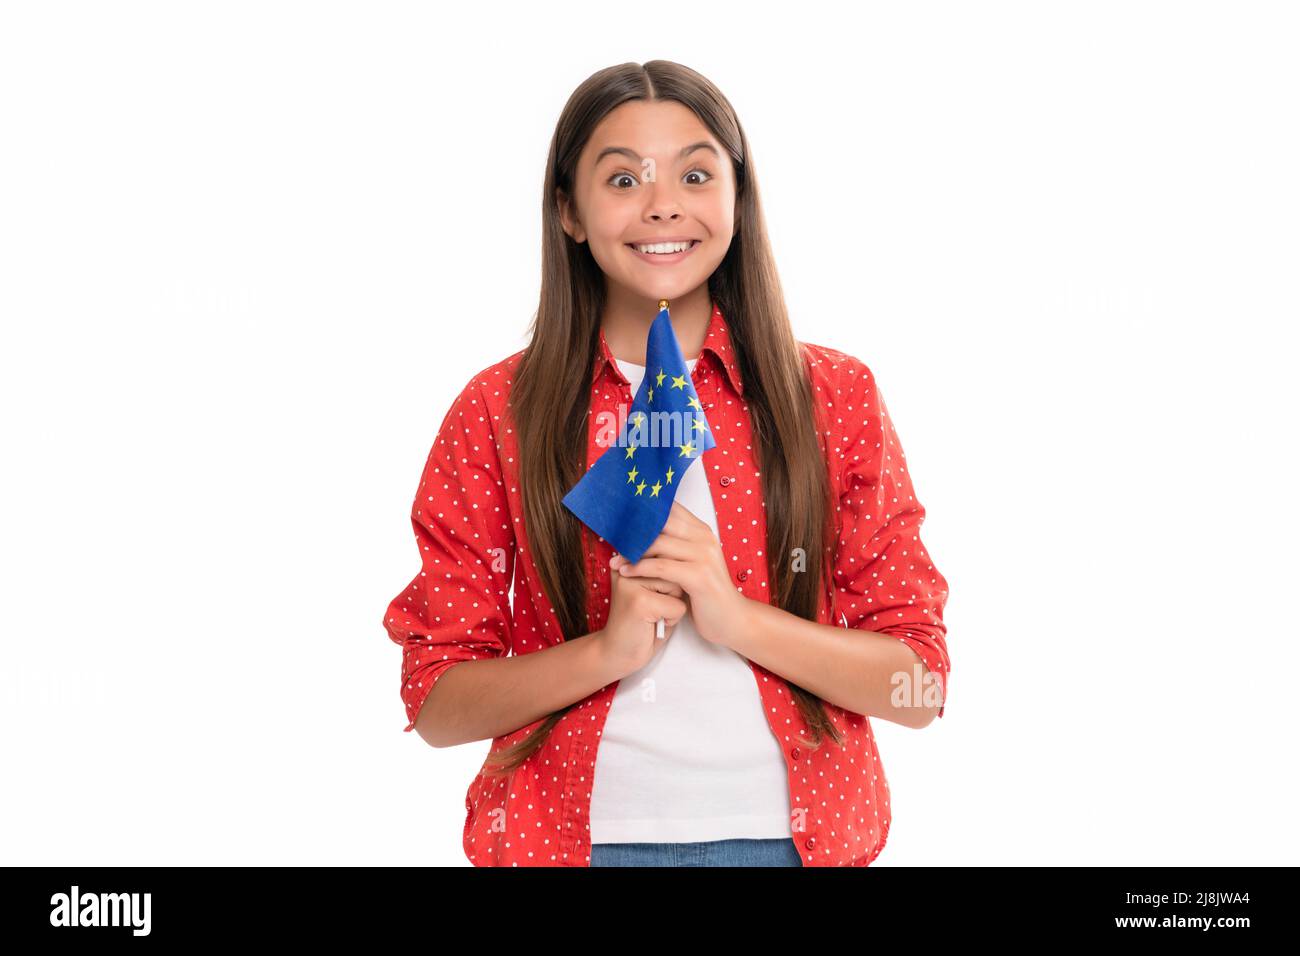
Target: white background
x,y
249,252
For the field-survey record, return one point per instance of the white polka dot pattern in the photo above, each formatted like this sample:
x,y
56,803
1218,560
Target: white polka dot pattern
x,y
467,518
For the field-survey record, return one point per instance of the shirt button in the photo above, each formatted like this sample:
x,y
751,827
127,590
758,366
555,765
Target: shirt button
x,y
796,753
742,575
810,842
725,480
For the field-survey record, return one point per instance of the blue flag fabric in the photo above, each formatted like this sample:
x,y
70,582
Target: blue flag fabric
x,y
626,495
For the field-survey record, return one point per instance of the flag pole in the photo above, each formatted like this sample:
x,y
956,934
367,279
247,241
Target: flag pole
x,y
659,625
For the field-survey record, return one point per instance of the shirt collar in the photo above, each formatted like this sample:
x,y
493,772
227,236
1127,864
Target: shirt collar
x,y
716,340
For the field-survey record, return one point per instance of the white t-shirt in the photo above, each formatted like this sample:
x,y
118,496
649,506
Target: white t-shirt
x,y
686,753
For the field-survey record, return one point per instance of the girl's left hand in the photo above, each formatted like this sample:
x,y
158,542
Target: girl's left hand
x,y
688,554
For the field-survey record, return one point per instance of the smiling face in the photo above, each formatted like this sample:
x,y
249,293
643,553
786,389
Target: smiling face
x,y
654,199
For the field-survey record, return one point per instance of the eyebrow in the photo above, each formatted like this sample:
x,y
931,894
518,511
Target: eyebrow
x,y
632,154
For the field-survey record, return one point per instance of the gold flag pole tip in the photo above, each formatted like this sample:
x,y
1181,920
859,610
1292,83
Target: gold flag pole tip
x,y
663,303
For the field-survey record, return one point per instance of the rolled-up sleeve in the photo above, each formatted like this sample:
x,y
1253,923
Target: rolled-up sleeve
x,y
885,579
457,607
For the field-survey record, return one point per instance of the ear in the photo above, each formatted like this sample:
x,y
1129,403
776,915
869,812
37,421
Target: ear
x,y
568,219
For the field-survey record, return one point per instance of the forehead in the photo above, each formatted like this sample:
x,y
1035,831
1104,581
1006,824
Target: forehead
x,y
657,128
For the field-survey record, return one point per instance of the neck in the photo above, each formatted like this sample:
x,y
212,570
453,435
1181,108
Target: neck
x,y
627,319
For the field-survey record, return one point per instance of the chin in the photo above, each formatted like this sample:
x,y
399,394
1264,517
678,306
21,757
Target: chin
x,y
673,287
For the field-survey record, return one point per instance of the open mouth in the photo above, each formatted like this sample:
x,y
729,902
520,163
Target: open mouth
x,y
673,252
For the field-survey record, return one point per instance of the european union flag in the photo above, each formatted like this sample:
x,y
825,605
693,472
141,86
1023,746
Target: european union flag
x,y
626,495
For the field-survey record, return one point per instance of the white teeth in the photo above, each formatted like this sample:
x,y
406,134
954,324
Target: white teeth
x,y
662,248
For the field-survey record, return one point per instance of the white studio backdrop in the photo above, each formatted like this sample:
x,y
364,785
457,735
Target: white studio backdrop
x,y
250,252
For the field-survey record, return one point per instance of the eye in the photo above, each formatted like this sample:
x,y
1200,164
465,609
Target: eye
x,y
632,180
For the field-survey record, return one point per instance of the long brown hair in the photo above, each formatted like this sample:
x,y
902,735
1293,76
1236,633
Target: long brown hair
x,y
551,392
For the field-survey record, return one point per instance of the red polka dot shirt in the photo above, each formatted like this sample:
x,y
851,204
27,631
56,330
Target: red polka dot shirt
x,y
468,522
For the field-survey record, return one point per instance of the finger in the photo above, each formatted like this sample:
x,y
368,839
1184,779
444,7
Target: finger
x,y
678,523
683,521
666,568
660,585
666,546
665,606
654,584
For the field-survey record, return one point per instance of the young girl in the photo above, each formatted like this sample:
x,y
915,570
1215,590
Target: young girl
x,y
797,595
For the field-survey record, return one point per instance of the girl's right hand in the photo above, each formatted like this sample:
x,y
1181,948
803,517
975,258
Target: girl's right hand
x,y
635,607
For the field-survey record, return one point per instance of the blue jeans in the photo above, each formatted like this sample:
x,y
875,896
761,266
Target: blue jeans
x,y
740,852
